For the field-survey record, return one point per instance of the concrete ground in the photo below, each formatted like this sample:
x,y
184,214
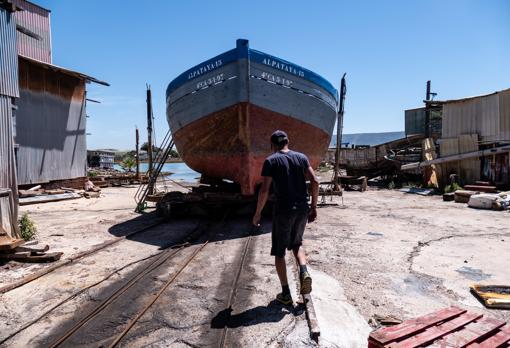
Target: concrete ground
x,y
382,253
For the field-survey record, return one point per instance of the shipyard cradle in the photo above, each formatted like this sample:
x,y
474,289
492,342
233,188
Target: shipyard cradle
x,y
223,111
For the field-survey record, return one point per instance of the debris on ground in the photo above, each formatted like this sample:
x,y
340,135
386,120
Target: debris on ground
x,y
492,296
462,196
418,191
490,201
15,250
384,320
448,327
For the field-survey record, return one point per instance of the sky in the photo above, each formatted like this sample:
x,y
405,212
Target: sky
x,y
389,49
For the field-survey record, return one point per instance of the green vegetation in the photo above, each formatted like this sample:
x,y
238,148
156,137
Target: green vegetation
x,y
27,227
128,162
391,185
452,188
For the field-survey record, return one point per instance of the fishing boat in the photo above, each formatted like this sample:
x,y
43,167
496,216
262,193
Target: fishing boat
x,y
223,111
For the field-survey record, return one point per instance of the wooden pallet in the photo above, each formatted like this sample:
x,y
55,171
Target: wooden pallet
x,y
449,327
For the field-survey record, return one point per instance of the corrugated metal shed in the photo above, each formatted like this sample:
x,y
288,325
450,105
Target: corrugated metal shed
x,y
8,90
50,124
415,122
9,204
8,57
488,116
34,31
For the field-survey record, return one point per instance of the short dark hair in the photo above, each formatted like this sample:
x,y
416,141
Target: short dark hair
x,y
279,138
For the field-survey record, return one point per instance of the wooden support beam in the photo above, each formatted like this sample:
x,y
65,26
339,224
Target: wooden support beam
x,y
461,156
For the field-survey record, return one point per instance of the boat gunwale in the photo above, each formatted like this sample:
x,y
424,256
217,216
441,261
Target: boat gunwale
x,y
237,54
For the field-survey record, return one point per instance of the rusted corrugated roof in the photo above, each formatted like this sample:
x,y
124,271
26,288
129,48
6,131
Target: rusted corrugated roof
x,y
65,71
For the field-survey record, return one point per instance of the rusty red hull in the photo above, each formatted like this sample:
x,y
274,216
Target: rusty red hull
x,y
233,143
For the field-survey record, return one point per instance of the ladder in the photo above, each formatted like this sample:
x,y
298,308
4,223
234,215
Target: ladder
x,y
159,159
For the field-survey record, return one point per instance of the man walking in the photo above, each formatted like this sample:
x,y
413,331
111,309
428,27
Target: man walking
x,y
288,171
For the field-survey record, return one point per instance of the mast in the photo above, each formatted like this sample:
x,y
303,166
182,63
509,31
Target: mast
x,y
149,131
339,130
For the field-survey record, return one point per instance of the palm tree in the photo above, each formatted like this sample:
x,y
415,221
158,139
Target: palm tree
x,y
128,163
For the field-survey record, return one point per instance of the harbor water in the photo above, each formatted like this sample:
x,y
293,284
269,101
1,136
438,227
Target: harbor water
x,y
179,171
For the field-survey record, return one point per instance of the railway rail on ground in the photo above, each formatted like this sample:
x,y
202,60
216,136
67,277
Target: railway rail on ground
x,y
192,245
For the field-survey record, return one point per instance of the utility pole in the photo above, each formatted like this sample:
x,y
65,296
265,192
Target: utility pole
x,y
339,131
149,131
427,111
137,134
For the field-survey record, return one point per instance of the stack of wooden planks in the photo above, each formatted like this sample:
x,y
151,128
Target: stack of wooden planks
x,y
449,327
15,250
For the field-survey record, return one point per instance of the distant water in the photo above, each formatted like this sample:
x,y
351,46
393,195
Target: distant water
x,y
371,139
180,171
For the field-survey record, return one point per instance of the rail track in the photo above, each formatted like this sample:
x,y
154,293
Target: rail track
x,y
143,274
148,304
180,256
74,258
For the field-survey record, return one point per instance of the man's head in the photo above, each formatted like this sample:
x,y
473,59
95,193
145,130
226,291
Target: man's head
x,y
279,140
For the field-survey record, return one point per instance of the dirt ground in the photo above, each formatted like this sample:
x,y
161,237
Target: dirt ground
x,y
380,253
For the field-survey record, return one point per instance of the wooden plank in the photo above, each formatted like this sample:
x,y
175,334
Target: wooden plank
x,y
480,188
498,340
471,333
433,333
408,327
10,243
313,323
15,256
48,198
28,257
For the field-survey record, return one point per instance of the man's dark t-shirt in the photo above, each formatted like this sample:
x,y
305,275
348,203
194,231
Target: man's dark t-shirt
x,y
287,169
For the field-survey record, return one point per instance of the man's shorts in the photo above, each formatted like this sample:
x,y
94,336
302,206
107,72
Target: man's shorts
x,y
288,228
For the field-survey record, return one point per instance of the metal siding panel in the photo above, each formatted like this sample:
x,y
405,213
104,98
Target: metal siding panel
x,y
504,116
8,55
50,126
473,116
37,20
488,118
7,166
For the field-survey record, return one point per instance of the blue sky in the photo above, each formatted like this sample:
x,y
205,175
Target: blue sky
x,y
388,49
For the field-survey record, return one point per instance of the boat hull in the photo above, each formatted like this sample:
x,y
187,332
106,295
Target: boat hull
x,y
223,112
234,142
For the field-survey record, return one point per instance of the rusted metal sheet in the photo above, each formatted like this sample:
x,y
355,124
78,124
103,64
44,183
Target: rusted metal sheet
x,y
8,58
34,31
50,125
8,204
8,90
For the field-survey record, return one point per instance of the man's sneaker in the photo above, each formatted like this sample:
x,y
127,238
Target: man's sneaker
x,y
285,299
306,283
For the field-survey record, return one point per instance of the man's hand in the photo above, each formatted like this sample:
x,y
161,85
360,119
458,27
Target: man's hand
x,y
312,214
256,220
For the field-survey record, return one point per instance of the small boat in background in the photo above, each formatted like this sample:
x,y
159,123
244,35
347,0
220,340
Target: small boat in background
x,y
223,111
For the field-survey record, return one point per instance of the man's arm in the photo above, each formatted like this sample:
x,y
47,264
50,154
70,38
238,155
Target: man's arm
x,y
310,175
262,199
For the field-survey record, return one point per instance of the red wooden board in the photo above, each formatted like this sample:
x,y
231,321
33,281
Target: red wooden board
x,y
471,333
409,327
501,339
435,332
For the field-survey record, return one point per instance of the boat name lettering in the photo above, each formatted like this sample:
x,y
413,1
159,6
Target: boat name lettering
x,y
277,79
205,68
282,66
210,81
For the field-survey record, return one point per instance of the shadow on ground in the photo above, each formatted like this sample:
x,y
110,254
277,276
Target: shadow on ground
x,y
272,313
173,231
